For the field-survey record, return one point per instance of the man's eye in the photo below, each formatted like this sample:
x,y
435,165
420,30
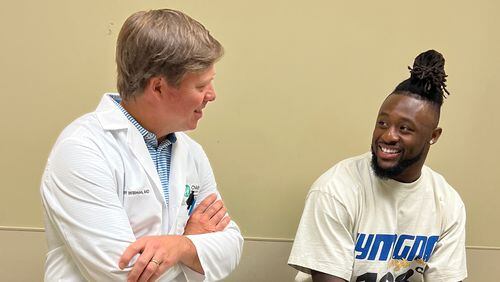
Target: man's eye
x,y
405,129
381,123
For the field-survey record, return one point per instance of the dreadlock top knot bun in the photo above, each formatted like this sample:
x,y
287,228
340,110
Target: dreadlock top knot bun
x,y
429,67
427,77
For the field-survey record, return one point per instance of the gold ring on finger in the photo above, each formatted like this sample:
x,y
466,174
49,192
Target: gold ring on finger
x,y
155,261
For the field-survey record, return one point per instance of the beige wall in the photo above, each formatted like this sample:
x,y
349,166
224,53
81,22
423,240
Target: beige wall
x,y
298,90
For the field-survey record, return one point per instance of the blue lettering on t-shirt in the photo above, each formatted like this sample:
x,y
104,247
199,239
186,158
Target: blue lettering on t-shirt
x,y
384,246
387,241
363,246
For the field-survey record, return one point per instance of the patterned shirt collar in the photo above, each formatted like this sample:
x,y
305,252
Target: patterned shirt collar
x,y
149,137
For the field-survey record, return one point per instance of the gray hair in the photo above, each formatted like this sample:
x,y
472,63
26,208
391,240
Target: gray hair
x,y
161,43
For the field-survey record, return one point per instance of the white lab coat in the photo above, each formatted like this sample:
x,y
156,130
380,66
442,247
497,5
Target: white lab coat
x,y
101,191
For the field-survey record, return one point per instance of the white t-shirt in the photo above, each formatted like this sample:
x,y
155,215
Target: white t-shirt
x,y
359,227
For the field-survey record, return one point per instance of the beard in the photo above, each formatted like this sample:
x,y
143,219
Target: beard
x,y
400,167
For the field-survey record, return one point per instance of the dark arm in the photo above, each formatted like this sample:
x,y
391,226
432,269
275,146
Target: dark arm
x,y
323,277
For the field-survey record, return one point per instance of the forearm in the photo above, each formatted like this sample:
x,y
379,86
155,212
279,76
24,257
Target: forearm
x,y
323,277
218,252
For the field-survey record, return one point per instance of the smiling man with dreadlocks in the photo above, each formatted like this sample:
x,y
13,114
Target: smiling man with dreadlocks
x,y
385,216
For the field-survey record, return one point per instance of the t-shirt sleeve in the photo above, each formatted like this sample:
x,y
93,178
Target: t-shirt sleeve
x,y
448,262
324,240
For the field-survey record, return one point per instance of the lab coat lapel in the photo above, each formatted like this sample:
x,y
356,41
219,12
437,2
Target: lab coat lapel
x,y
111,118
140,151
177,181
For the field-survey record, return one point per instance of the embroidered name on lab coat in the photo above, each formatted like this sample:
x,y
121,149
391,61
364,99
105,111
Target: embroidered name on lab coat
x,y
136,192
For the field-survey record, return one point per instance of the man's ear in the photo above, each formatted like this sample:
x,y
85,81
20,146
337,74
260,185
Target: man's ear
x,y
154,85
435,135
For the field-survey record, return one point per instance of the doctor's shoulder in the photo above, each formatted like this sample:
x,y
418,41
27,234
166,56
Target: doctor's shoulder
x,y
82,128
197,162
189,144
76,149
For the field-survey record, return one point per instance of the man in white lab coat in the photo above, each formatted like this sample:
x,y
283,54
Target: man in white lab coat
x,y
126,194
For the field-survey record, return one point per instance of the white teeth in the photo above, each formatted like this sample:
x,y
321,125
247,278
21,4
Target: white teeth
x,y
388,150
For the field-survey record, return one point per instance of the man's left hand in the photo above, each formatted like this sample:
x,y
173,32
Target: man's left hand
x,y
157,254
209,216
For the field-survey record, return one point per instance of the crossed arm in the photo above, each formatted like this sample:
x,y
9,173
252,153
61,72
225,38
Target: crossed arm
x,y
159,253
91,229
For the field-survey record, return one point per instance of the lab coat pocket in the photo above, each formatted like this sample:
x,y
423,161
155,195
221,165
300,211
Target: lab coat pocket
x,y
143,210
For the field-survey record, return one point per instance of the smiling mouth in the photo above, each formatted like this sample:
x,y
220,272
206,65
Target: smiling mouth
x,y
386,152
